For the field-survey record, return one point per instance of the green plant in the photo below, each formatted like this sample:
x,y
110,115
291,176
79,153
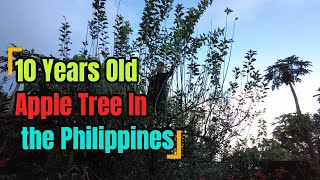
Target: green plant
x,y
288,72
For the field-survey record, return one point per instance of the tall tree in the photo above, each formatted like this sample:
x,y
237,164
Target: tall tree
x,y
288,71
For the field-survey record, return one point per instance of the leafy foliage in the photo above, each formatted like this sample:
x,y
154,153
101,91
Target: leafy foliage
x,y
65,39
272,149
290,132
286,71
121,37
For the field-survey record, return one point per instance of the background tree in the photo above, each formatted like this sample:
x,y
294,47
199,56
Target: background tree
x,y
288,71
289,132
272,149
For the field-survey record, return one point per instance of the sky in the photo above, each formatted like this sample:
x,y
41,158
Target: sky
x,y
275,29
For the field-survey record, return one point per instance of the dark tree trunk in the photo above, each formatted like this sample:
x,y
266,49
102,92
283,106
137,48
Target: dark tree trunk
x,y
295,99
311,148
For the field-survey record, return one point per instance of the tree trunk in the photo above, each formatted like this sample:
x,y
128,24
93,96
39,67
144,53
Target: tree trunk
x,y
311,148
295,99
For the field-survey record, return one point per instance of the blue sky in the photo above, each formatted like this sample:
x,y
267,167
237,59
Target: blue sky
x,y
276,29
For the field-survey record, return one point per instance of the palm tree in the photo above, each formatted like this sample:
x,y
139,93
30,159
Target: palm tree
x,y
287,71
